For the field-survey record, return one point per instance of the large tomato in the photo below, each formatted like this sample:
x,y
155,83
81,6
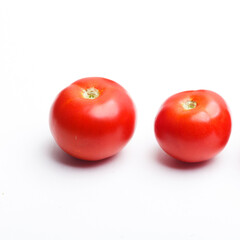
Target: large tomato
x,y
92,119
193,126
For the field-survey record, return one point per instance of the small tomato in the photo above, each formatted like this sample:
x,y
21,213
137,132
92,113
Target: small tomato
x,y
193,126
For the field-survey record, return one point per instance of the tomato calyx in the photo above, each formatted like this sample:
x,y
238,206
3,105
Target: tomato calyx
x,y
90,93
189,104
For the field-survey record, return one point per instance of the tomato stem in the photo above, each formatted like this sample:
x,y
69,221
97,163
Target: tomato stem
x,y
189,104
90,93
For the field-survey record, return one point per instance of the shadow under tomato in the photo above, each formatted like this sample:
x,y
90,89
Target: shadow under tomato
x,y
170,162
59,156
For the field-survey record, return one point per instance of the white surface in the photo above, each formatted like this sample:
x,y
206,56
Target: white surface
x,y
152,48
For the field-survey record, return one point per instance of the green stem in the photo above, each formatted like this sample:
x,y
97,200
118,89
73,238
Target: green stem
x,y
190,104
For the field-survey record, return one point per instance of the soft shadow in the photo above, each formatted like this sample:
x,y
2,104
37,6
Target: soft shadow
x,y
170,162
59,156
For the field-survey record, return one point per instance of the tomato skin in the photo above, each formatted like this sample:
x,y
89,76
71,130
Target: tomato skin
x,y
92,129
197,134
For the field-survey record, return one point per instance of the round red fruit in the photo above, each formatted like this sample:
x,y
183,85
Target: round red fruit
x,y
193,126
92,119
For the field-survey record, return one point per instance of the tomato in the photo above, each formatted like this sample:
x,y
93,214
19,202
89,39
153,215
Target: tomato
x,y
93,118
193,126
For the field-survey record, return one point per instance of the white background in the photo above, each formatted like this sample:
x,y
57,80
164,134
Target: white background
x,y
152,48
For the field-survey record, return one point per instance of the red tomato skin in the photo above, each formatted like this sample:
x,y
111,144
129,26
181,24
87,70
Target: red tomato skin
x,y
197,134
92,129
